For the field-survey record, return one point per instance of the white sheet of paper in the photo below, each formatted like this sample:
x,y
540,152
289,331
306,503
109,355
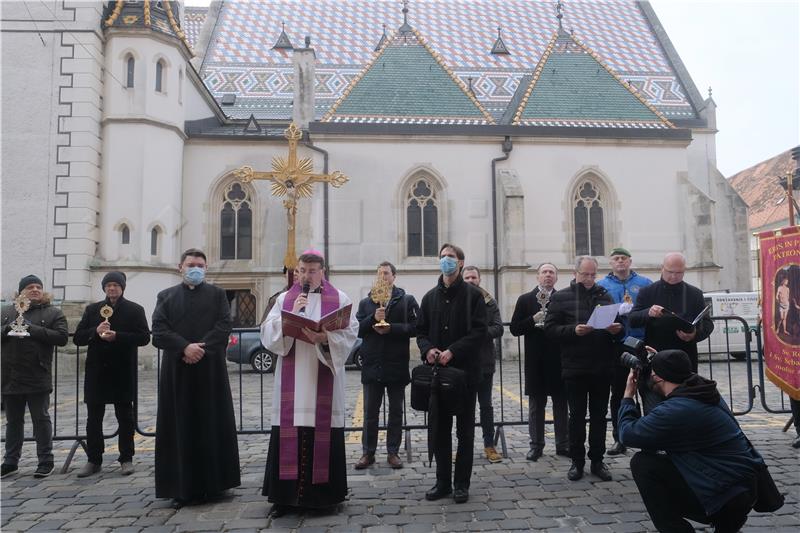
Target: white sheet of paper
x,y
603,316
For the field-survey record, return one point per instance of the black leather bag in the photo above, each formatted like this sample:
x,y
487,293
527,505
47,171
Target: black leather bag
x,y
451,388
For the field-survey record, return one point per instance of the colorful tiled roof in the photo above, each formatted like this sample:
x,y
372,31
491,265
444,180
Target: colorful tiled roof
x,y
240,58
160,16
571,86
193,20
759,188
406,83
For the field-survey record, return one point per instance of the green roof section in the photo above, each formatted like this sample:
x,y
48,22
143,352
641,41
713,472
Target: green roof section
x,y
572,87
407,83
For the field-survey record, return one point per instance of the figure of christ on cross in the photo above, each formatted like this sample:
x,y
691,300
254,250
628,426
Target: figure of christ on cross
x,y
292,178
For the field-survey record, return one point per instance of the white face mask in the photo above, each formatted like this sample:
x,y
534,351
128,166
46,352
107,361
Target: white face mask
x,y
194,276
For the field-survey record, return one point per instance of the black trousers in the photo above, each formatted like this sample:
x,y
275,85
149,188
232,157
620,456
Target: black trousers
x,y
487,411
669,499
594,390
38,406
465,433
94,431
373,397
618,382
536,407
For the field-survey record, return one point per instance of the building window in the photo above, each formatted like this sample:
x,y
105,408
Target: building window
x,y
159,76
236,224
131,63
422,220
125,234
588,217
154,238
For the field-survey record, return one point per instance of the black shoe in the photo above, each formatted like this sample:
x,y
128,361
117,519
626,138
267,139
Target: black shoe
x,y
575,471
177,503
600,470
437,492
7,470
563,452
617,449
278,510
795,444
534,454
461,495
44,470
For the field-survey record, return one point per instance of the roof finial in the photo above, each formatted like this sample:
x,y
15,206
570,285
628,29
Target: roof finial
x,y
709,91
559,15
308,41
499,47
283,42
406,27
382,40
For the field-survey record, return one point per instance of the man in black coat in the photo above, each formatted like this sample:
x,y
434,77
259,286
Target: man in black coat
x,y
488,352
671,295
197,452
27,374
111,359
542,364
587,362
450,329
384,367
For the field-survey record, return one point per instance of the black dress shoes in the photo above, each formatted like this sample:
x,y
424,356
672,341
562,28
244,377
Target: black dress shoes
x,y
534,454
563,452
617,449
437,492
575,471
277,510
461,495
600,470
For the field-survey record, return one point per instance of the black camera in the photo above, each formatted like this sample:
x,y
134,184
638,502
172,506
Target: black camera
x,y
635,354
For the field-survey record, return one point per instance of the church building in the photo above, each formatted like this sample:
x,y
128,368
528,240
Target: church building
x,y
522,131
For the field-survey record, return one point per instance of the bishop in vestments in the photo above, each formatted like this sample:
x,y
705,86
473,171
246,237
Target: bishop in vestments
x,y
306,458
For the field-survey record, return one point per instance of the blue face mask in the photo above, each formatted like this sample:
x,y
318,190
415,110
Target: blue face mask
x,y
194,276
448,265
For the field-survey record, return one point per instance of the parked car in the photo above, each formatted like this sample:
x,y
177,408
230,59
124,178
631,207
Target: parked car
x,y
245,348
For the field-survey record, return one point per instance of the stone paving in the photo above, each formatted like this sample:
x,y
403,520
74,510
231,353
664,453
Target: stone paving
x,y
512,495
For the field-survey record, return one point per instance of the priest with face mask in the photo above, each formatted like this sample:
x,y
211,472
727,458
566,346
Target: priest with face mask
x,y
197,453
306,459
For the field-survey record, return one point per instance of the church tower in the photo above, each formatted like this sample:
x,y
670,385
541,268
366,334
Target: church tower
x,y
146,57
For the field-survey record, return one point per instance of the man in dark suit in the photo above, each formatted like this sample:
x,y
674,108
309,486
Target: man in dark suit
x,y
111,359
672,296
542,364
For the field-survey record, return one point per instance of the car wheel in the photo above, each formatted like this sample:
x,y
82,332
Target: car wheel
x,y
262,361
739,356
359,359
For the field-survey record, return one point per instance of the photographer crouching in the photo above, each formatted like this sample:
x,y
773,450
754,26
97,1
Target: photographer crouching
x,y
696,462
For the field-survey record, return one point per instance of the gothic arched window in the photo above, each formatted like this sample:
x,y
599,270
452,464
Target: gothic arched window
x,y
236,224
588,204
159,76
125,234
155,234
130,65
422,219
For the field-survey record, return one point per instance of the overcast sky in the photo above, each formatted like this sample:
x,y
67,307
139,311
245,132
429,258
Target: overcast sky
x,y
748,52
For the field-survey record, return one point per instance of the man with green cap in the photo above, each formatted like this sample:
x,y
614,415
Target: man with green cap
x,y
623,284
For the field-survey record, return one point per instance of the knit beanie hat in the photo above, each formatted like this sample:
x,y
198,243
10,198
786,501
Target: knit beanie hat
x,y
672,365
27,280
114,277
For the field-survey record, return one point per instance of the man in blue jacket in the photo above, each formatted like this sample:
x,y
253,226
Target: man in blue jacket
x,y
707,469
623,284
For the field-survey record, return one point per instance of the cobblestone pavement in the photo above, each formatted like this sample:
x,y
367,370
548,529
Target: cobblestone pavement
x,y
512,495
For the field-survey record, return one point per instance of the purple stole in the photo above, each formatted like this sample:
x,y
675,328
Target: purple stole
x,y
287,467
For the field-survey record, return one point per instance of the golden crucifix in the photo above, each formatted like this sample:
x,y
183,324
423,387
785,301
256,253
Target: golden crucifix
x,y
292,178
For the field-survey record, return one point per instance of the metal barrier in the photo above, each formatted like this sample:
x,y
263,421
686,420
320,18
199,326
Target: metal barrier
x,y
717,364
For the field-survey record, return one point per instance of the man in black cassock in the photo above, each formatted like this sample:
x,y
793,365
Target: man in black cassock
x,y
197,454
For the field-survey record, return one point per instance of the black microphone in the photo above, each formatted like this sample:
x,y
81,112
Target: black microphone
x,y
305,290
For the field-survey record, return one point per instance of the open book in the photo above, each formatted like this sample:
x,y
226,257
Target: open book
x,y
293,324
678,322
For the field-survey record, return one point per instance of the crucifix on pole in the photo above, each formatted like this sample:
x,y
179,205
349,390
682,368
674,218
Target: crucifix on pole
x,y
294,179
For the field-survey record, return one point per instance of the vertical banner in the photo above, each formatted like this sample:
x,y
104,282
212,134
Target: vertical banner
x,y
780,290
